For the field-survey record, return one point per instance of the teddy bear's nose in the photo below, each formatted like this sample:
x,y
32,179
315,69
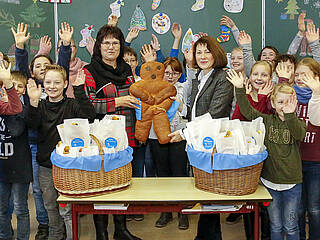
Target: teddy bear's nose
x,y
153,76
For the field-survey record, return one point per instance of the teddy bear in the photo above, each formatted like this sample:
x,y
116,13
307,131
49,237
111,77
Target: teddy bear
x,y
154,93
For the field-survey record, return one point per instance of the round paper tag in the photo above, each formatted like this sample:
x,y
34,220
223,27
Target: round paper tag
x,y
111,142
208,143
77,142
161,23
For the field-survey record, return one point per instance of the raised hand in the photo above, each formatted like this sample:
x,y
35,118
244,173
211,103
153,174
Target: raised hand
x,y
5,75
244,38
266,89
20,36
188,55
155,43
312,82
65,33
291,105
80,79
235,78
90,44
34,92
225,20
4,95
45,45
283,70
132,34
113,21
312,33
148,53
248,86
176,30
301,24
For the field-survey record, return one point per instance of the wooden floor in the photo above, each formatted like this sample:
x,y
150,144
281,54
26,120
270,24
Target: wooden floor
x,y
145,229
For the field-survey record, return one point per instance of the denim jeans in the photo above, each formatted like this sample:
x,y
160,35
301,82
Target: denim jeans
x,y
149,164
142,159
41,212
57,216
20,201
310,200
283,213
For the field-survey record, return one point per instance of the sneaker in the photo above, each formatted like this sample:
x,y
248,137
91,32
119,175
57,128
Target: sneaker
x,y
183,221
233,218
42,233
164,219
138,217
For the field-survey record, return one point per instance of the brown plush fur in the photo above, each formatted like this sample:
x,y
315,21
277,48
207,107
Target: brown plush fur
x,y
155,95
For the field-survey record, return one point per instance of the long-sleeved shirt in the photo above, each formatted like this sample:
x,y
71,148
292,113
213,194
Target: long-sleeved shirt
x,y
282,139
48,115
13,106
314,109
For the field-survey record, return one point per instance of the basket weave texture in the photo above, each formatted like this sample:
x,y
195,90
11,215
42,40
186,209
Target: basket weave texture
x,y
78,183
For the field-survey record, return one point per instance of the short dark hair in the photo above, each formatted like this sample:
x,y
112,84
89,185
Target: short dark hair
x,y
130,51
174,63
39,56
269,47
218,53
105,31
286,57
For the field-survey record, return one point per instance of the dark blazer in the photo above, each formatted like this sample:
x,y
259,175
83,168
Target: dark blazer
x,y
215,97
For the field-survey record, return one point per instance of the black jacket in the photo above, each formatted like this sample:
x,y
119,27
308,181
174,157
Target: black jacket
x,y
48,115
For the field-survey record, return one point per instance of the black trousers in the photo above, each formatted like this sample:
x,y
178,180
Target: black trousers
x,y
209,227
170,159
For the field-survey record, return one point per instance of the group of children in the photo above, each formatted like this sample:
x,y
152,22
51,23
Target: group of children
x,y
283,91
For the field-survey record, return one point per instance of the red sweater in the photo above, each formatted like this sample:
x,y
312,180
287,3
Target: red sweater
x,y
310,147
263,106
13,106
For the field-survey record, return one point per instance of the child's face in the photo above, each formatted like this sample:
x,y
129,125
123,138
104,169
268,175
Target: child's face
x,y
300,73
260,75
54,84
19,86
268,55
39,68
170,75
236,61
279,102
290,66
131,60
204,57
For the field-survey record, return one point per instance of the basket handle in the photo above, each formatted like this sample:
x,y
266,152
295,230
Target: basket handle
x,y
101,152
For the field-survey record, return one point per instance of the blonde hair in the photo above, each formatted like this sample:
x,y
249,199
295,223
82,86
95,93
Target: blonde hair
x,y
56,68
263,63
237,49
312,64
282,88
20,77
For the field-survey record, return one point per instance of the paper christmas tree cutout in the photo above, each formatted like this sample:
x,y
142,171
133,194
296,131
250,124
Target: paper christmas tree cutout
x,y
138,20
224,34
155,4
292,8
187,40
33,15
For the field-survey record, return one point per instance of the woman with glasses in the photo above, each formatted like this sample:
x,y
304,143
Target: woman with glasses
x,y
108,78
171,159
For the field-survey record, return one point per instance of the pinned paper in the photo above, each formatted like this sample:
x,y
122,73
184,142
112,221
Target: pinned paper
x,y
292,8
155,4
198,5
161,23
85,33
115,8
187,40
138,20
56,1
233,6
224,35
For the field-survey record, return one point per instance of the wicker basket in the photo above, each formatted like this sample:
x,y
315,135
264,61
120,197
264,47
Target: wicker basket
x,y
241,181
81,183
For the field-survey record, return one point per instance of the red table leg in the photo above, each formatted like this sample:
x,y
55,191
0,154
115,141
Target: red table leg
x,y
256,221
74,223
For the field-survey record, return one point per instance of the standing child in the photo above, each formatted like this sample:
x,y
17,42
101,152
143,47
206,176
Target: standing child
x,y
282,171
15,162
44,116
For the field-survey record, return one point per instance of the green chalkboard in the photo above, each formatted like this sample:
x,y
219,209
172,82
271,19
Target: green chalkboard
x,y
39,17
282,26
95,12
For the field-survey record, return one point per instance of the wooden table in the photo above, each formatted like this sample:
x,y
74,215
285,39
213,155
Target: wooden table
x,y
147,195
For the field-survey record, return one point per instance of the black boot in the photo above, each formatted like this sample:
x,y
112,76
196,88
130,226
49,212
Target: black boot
x,y
265,223
101,224
120,229
248,219
164,219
